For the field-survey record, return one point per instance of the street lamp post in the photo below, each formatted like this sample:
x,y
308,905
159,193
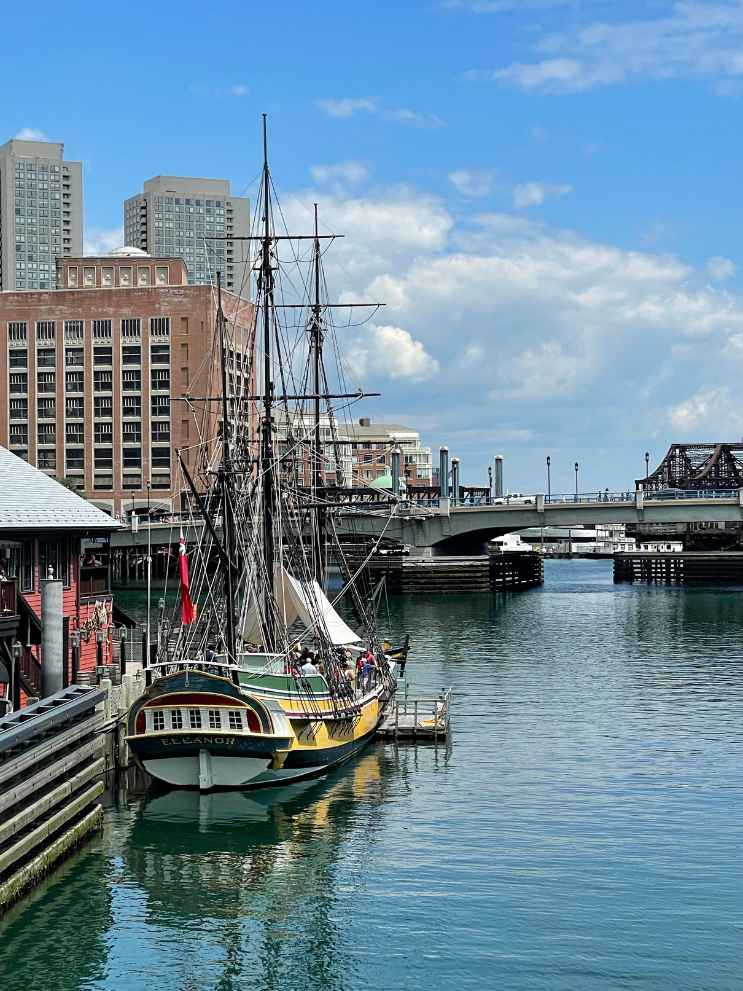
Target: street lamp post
x,y
647,467
549,462
576,481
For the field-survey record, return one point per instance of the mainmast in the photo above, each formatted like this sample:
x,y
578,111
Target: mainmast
x,y
225,478
267,458
316,343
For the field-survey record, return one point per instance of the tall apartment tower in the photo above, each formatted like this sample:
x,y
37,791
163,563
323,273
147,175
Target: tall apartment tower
x,y
41,212
191,218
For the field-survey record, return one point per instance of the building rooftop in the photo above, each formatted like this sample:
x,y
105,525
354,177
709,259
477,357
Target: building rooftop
x,y
30,500
375,429
127,251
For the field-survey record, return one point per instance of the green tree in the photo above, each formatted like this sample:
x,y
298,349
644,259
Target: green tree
x,y
69,483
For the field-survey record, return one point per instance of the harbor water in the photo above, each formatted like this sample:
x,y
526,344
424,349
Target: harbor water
x,y
582,829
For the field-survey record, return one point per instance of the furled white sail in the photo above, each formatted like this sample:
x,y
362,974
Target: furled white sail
x,y
306,601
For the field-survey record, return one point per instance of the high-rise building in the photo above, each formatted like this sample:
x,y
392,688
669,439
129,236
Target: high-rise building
x,y
95,378
41,212
192,219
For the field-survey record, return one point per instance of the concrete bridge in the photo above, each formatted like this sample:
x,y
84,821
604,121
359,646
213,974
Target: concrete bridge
x,y
457,529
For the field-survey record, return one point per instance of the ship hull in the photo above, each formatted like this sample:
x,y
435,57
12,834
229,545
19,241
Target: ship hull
x,y
275,743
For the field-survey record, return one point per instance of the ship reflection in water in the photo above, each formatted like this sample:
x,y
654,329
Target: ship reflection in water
x,y
194,888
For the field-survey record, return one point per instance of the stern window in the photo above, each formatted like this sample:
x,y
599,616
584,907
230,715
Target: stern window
x,y
194,718
176,719
158,720
215,719
235,719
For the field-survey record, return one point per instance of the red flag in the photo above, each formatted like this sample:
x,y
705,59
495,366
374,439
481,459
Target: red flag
x,y
188,610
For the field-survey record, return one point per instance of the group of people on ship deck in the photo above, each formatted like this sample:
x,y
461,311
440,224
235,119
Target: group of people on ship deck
x,y
305,663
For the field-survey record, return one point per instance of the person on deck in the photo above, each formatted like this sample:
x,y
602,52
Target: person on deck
x,y
308,667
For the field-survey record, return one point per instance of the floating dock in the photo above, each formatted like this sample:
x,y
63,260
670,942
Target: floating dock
x,y
445,575
679,567
417,719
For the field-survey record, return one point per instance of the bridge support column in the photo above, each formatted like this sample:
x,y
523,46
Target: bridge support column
x,y
639,496
444,472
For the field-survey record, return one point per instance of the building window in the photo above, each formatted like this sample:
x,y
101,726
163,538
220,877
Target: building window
x,y
104,458
132,457
102,381
132,432
18,435
74,356
160,431
75,459
74,381
45,330
46,358
46,382
102,406
160,379
160,354
131,354
75,433
101,330
47,409
18,331
27,566
131,380
160,457
103,433
73,330
132,405
47,433
159,326
102,356
131,327
47,460
160,406
55,554
18,382
18,358
368,473
19,409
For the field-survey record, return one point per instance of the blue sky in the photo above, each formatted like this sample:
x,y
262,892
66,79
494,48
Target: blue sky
x,y
546,194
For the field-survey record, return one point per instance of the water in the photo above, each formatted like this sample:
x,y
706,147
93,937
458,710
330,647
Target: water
x,y
583,829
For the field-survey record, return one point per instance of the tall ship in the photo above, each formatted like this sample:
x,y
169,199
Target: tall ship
x,y
262,675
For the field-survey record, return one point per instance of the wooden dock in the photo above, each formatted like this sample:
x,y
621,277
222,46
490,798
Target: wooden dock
x,y
417,719
463,575
52,764
679,567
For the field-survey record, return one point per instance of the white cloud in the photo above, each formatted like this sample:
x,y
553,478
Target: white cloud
x,y
531,193
471,182
713,412
392,352
201,89
30,134
97,241
349,107
694,39
593,147
721,268
532,327
350,169
539,133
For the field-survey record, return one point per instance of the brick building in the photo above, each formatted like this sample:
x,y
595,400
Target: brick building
x,y
89,372
371,446
361,454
